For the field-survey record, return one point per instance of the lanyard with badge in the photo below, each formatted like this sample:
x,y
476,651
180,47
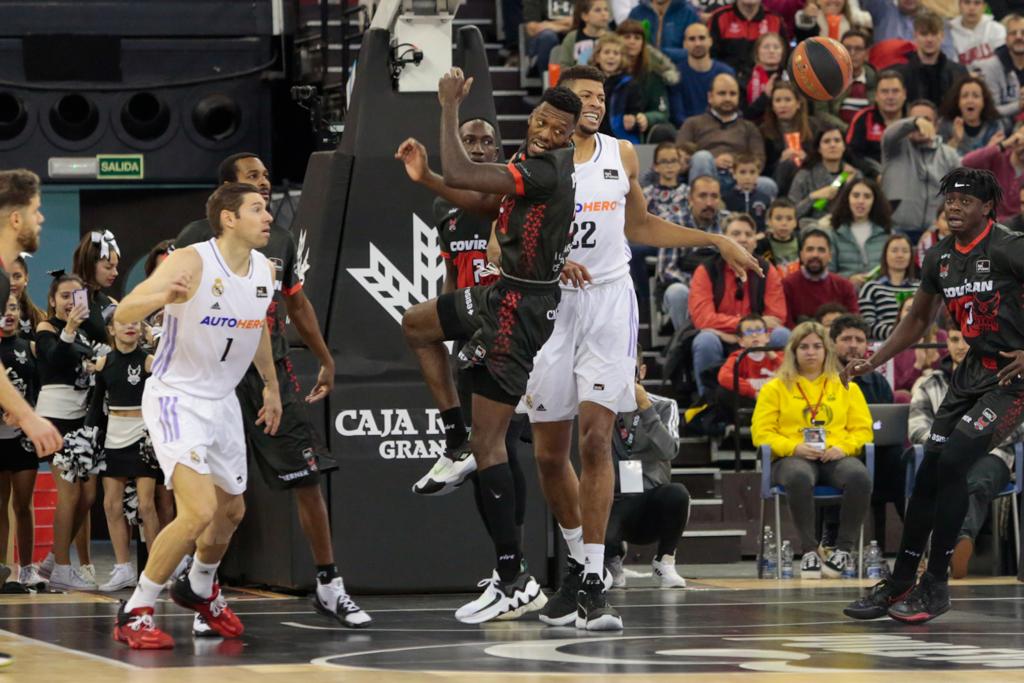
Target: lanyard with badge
x,y
814,436
631,472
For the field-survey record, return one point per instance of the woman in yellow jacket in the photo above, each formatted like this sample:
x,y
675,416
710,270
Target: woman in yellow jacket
x,y
816,428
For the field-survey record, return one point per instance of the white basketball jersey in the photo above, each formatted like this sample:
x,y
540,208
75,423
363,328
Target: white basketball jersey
x,y
599,242
209,341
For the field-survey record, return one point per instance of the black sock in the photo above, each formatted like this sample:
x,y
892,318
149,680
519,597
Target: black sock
x,y
454,427
498,493
325,573
920,518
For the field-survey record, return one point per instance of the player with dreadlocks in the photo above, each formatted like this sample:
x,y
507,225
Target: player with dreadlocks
x,y
977,271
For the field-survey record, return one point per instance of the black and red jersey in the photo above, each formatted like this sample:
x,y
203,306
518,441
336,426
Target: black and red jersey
x,y
982,285
534,227
463,238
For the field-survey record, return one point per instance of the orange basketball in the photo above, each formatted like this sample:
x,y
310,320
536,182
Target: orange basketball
x,y
821,68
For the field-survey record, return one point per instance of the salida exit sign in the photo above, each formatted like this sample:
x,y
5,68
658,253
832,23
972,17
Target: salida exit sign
x,y
119,166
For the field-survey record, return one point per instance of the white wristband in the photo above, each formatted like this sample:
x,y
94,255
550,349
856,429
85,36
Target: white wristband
x,y
67,337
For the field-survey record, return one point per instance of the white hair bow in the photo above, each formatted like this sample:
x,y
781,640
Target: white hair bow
x,y
107,243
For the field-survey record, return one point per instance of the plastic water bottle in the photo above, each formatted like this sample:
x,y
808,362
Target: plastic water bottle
x,y
873,561
850,571
786,570
768,561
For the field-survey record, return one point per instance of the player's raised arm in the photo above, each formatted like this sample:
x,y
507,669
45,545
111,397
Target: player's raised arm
x,y
413,155
173,282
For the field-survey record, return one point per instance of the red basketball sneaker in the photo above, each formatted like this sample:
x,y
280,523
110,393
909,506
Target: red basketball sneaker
x,y
214,609
137,630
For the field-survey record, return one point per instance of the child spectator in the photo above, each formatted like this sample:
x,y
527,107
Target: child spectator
x,y
621,97
666,196
744,197
590,22
780,244
932,236
757,367
828,313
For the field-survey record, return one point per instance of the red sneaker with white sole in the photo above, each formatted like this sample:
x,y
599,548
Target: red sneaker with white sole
x,y
137,630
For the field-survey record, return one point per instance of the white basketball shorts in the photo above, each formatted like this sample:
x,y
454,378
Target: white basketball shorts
x,y
202,434
590,355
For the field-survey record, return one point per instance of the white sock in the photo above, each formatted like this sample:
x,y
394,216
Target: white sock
x,y
145,594
595,558
201,577
574,539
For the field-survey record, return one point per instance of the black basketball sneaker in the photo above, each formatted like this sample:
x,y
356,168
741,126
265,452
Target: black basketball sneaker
x,y
928,599
878,600
593,613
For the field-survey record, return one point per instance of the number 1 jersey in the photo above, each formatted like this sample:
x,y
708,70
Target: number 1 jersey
x,y
209,341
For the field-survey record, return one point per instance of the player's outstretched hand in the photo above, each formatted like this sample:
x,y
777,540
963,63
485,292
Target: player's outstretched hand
x,y
575,274
324,385
43,435
855,368
1013,370
739,259
453,87
413,154
270,413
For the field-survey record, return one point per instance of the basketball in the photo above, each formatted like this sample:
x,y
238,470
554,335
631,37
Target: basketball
x,y
821,68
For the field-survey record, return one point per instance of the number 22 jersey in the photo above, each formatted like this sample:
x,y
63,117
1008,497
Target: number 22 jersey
x,y
209,341
982,284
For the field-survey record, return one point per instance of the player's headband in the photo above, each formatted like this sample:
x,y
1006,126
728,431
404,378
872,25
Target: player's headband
x,y
967,187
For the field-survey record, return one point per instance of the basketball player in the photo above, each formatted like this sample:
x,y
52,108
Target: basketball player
x,y
215,297
587,367
21,221
288,460
978,272
507,321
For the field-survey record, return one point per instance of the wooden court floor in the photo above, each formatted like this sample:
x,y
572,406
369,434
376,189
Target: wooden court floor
x,y
737,630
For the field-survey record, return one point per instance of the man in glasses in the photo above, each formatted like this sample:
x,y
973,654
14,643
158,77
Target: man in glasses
x,y
718,301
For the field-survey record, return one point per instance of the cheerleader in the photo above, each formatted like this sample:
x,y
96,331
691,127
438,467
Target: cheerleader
x,y
18,460
120,378
31,316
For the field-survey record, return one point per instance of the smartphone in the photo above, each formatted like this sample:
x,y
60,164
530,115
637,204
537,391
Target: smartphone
x,y
80,297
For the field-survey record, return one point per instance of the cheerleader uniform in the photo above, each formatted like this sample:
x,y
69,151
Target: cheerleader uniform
x,y
63,378
120,384
17,453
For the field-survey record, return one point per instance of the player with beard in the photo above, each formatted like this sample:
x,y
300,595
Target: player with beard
x,y
978,272
587,367
506,321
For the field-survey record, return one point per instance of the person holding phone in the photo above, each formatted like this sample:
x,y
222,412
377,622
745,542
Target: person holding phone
x,y
63,349
95,261
816,427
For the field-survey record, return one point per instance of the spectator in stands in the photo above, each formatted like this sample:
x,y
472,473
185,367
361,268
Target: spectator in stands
x,y
589,22
915,160
622,98
929,72
832,19
975,35
788,131
989,475
668,20
828,313
95,262
813,285
824,172
720,299
736,27
19,464
895,19
816,427
780,244
861,93
648,507
861,223
1011,55
652,73
744,197
864,136
912,363
756,368
1006,161
933,235
31,316
697,72
881,298
850,335
757,84
676,266
968,119
545,22
62,350
667,195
